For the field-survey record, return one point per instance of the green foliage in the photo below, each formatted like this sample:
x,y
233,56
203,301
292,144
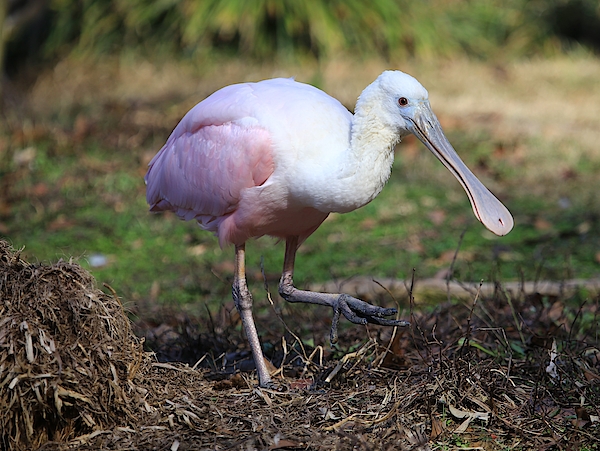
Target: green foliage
x,y
290,28
267,27
105,26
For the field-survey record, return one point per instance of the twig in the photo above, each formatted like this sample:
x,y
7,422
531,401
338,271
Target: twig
x,y
266,286
515,318
451,270
394,330
413,318
468,333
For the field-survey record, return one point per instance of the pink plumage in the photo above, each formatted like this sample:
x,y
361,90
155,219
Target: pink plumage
x,y
227,145
201,174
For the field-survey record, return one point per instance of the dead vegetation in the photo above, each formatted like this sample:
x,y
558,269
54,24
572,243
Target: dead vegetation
x,y
495,373
67,354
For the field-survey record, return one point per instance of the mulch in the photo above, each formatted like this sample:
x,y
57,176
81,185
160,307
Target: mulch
x,y
496,372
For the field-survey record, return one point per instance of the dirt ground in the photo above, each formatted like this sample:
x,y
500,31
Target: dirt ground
x,y
505,371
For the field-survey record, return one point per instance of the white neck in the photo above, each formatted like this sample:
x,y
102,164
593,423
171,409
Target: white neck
x,y
353,174
368,162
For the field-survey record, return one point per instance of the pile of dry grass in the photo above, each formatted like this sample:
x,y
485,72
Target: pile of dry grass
x,y
67,354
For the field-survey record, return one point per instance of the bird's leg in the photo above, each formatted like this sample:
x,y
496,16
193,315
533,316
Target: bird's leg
x,y
243,302
355,310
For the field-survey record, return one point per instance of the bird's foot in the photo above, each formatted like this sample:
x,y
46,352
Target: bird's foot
x,y
361,312
355,310
274,387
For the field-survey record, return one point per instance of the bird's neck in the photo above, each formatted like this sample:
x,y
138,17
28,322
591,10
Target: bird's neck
x,y
356,175
372,136
371,153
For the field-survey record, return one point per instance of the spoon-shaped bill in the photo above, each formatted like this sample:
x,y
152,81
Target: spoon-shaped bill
x,y
487,208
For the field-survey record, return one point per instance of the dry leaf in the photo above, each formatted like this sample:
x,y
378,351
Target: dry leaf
x,y
436,427
468,416
551,368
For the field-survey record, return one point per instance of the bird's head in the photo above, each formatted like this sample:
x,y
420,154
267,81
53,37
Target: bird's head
x,y
400,96
404,105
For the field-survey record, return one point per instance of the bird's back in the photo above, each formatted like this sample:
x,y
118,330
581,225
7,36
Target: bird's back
x,y
239,138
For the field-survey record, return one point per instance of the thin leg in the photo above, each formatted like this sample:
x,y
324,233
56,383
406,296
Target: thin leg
x,y
243,301
355,310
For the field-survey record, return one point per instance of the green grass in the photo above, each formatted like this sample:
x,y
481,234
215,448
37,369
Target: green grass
x,y
82,194
95,204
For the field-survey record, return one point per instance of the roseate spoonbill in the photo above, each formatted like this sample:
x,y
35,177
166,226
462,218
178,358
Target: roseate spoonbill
x,y
277,156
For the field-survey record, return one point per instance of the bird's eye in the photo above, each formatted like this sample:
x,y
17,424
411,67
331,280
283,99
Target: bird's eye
x,y
402,101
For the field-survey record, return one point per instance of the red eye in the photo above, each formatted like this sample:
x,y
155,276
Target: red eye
x,y
402,101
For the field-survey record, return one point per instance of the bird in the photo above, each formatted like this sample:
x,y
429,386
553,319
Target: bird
x,y
277,156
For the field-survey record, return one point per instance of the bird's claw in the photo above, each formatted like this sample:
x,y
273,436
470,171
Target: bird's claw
x,y
361,312
273,387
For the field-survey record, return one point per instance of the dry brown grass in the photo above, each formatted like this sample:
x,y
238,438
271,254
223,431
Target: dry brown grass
x,y
495,373
547,108
67,354
555,99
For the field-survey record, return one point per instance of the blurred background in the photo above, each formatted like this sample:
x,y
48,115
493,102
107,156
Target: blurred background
x,y
91,89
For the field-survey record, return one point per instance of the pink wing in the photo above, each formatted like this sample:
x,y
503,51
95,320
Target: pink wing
x,y
215,152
